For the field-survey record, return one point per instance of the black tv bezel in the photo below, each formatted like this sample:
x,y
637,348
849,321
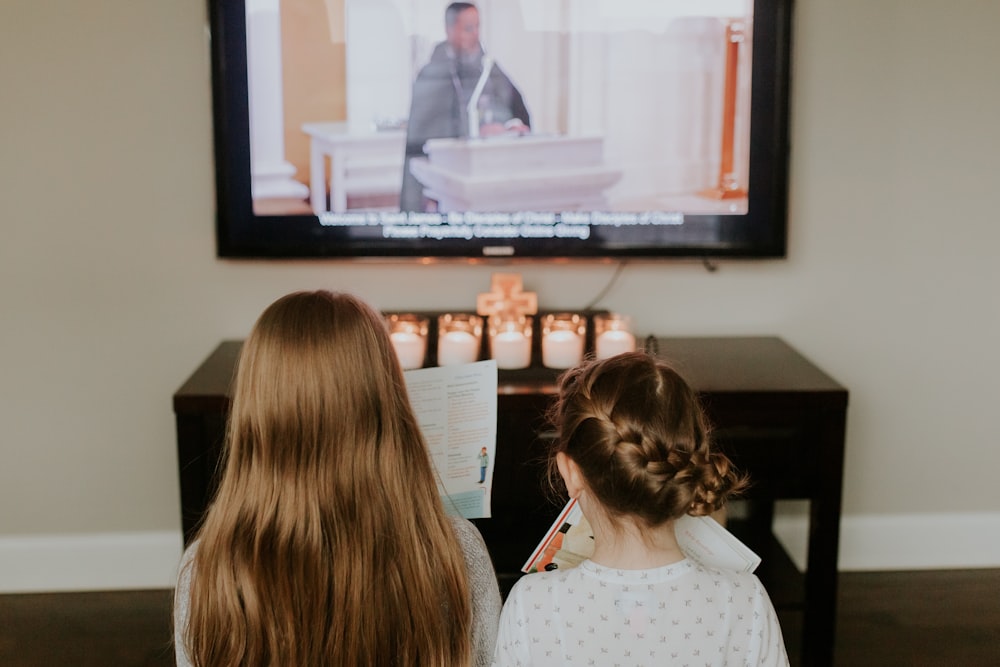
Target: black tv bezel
x,y
761,233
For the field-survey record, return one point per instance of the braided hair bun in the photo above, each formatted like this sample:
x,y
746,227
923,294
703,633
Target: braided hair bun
x,y
639,436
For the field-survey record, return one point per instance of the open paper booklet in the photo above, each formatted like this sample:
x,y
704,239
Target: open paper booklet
x,y
456,408
570,541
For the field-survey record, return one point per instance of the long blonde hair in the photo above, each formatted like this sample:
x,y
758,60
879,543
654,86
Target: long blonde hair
x,y
326,543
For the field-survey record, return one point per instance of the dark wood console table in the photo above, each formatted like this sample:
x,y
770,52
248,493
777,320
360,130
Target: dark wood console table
x,y
776,414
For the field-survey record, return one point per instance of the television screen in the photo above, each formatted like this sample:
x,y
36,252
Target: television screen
x,y
530,129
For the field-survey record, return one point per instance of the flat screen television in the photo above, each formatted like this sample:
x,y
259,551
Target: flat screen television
x,y
579,129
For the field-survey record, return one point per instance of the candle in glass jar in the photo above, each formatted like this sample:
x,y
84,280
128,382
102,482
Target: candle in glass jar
x,y
612,342
562,349
410,348
511,349
457,347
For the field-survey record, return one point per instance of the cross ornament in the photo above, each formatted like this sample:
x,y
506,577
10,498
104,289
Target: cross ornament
x,y
506,297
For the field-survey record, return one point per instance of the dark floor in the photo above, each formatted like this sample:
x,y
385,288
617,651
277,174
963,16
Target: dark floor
x,y
107,629
911,619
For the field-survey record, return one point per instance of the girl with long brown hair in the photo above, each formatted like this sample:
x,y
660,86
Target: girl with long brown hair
x,y
326,542
633,447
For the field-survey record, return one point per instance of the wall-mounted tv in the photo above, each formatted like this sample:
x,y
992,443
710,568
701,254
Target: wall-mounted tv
x,y
501,129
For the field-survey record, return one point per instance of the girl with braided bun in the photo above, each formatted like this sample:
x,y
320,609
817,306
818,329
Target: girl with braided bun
x,y
633,447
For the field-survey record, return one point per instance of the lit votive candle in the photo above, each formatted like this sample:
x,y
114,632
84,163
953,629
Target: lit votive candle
x,y
510,342
408,334
459,337
612,335
562,340
410,348
457,347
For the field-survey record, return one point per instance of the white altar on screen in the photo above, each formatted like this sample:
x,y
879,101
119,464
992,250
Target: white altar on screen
x,y
508,173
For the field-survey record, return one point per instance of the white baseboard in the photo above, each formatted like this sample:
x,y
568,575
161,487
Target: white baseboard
x,y
903,542
88,562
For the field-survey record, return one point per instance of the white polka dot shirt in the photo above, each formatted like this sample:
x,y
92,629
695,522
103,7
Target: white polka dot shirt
x,y
680,614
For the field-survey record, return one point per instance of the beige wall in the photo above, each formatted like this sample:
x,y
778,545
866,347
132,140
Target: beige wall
x,y
111,294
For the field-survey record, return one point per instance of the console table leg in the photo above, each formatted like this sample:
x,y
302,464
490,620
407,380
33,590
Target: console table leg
x,y
819,621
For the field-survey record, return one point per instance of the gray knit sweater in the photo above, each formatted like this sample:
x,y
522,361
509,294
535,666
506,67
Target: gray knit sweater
x,y
482,585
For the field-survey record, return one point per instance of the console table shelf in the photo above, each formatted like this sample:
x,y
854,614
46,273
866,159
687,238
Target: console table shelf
x,y
777,415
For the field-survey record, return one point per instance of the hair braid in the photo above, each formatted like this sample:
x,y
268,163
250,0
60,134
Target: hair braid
x,y
641,440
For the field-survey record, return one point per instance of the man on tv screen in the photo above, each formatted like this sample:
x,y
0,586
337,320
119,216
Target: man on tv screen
x,y
439,108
